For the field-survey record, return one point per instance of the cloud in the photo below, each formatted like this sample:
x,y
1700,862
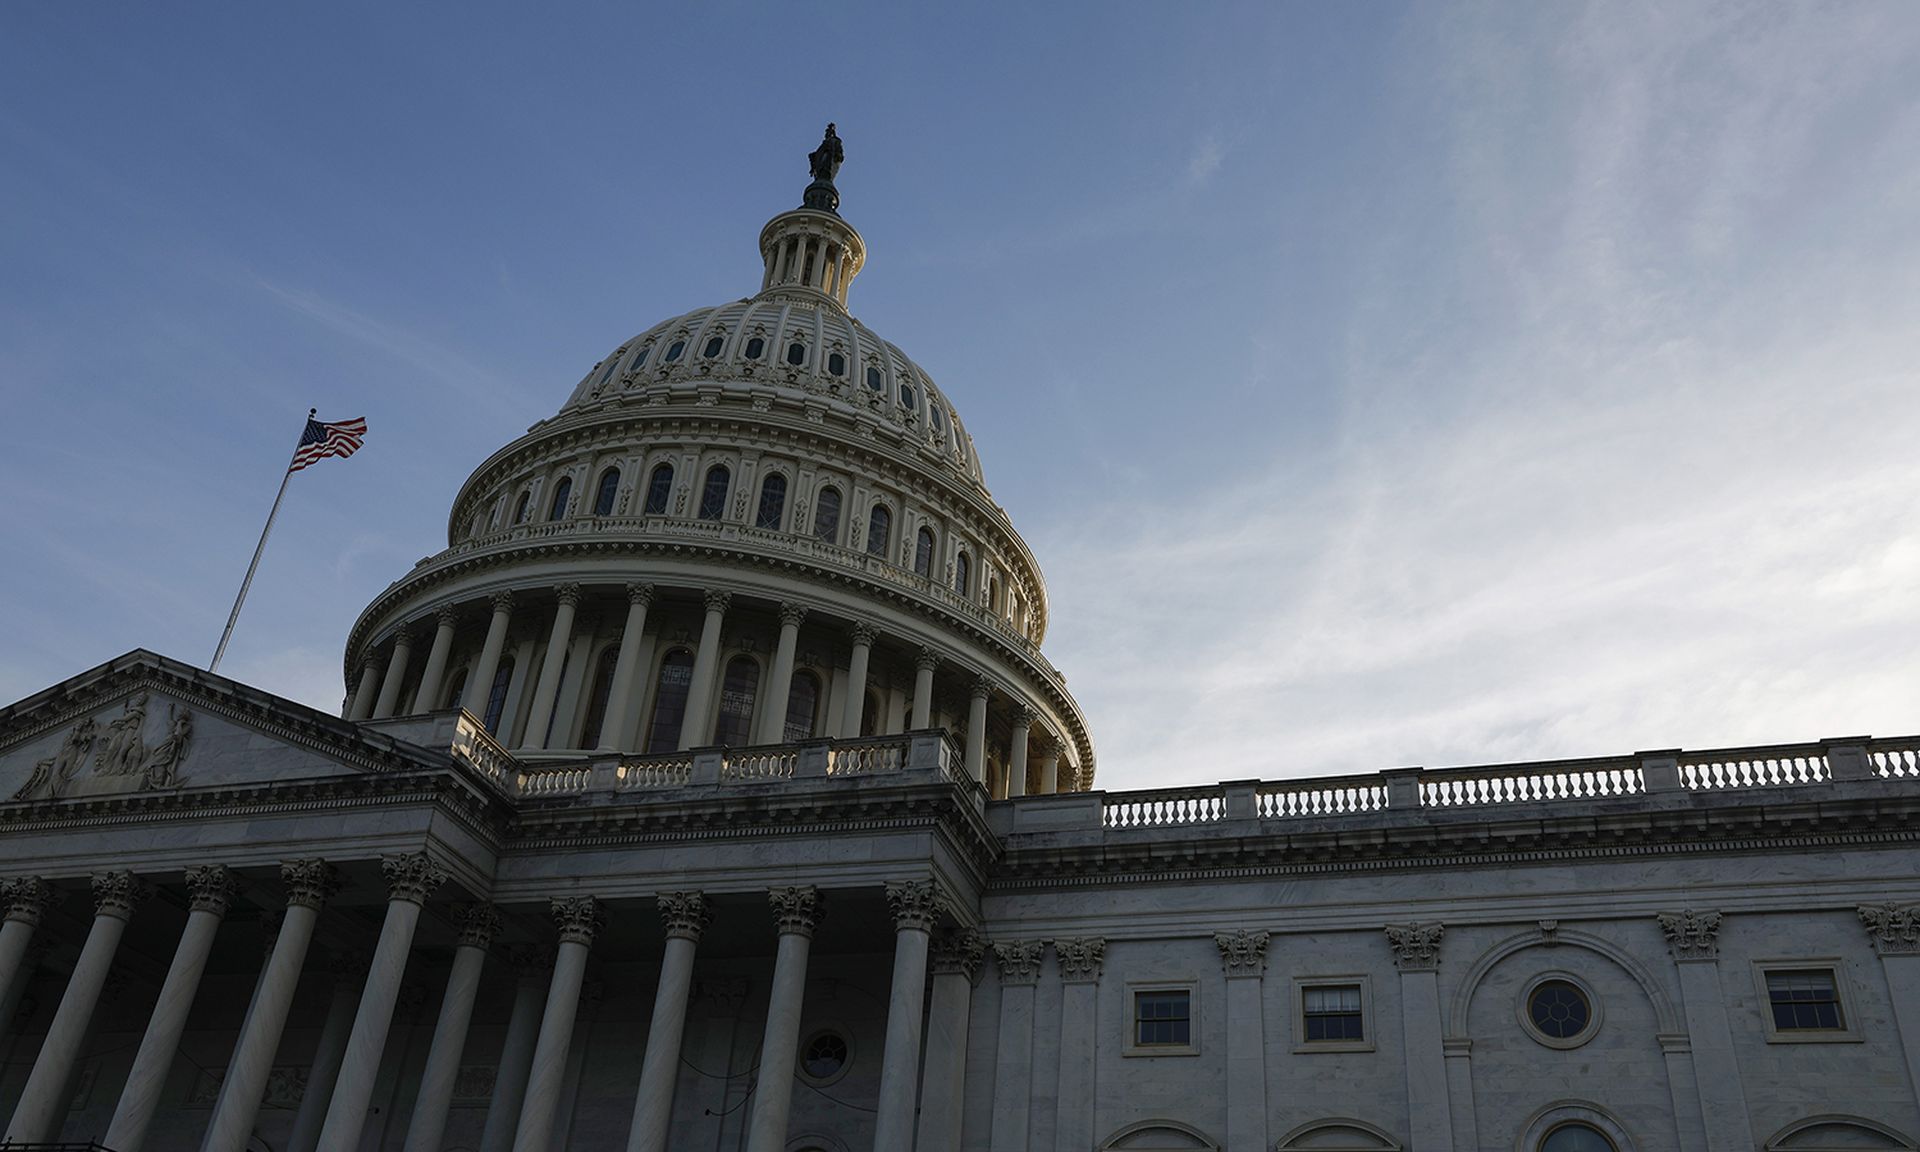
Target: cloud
x,y
1205,159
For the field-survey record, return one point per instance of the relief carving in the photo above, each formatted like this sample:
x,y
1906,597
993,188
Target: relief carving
x,y
1893,928
121,756
1692,935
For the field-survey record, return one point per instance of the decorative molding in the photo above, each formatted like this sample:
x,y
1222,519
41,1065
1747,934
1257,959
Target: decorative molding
x,y
1416,946
1893,928
685,914
567,594
957,952
447,615
640,594
797,910
502,602
479,923
1691,935
792,612
117,894
1080,959
927,660
578,918
1549,932
1244,953
27,899
1018,960
309,882
982,688
862,633
212,888
412,877
717,601
915,904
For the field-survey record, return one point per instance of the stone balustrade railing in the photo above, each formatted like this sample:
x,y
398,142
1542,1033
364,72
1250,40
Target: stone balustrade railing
x,y
1795,766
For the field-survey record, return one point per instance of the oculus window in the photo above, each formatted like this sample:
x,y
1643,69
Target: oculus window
x,y
1559,1010
1576,1138
824,1056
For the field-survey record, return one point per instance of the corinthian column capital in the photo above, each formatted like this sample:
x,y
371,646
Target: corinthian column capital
x,y
478,925
579,918
1244,953
212,888
501,601
792,613
862,633
915,904
568,594
718,601
958,952
309,882
684,914
1416,947
412,877
927,660
117,894
27,899
640,594
1691,935
798,910
1080,959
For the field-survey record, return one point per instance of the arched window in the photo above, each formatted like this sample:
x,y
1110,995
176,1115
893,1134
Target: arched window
x,y
961,573
674,350
826,515
1576,1137
939,417
609,488
713,497
923,552
879,528
870,715
561,492
906,394
796,354
836,364
524,508
670,701
755,347
659,488
874,383
497,696
773,502
597,698
803,700
737,691
993,593
458,691
714,344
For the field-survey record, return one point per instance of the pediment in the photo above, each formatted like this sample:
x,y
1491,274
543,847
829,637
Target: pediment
x,y
144,724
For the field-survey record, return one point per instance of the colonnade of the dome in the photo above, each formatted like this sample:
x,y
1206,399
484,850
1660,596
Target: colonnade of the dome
x,y
573,668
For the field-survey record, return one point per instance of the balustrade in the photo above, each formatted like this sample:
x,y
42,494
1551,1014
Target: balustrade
x,y
1895,758
858,757
1520,784
1164,807
1752,769
771,764
1298,798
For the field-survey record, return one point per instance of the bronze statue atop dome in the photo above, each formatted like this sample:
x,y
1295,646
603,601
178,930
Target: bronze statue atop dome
x,y
824,163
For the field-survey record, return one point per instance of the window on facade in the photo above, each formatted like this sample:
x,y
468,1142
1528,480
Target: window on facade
x,y
923,552
836,364
737,691
670,701
713,496
659,489
458,691
796,353
497,695
826,515
1576,1138
773,502
606,373
1163,1019
641,358
961,573
675,349
939,417
1559,1009
870,715
597,698
1805,1000
609,488
906,395
714,344
824,1056
879,528
561,492
1331,1013
803,700
523,509
874,382
993,593
755,347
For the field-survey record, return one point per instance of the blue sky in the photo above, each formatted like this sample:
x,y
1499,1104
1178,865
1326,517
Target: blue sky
x,y
1376,384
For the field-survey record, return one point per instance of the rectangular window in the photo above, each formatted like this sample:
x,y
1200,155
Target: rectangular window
x,y
1804,1000
1163,1019
1332,1013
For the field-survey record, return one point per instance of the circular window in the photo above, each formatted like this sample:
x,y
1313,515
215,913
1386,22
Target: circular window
x,y
1559,1011
824,1057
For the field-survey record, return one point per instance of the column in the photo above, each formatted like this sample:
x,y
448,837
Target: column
x,y
428,697
626,667
429,1121
480,681
396,676
1694,939
1416,953
361,706
1019,964
698,724
915,904
43,1102
1243,955
857,681
977,730
330,1051
578,918
530,965
26,901
923,666
1895,932
212,889
1080,964
540,715
796,911
685,915
773,716
956,958
410,880
1017,754
309,883
1050,773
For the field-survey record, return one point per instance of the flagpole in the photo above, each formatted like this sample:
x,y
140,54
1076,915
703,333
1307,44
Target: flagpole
x,y
227,633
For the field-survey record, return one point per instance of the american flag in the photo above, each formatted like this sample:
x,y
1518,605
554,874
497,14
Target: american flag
x,y
338,439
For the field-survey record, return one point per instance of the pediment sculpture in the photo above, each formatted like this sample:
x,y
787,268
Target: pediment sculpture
x,y
119,752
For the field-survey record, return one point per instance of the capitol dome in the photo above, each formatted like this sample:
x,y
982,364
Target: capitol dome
x,y
749,526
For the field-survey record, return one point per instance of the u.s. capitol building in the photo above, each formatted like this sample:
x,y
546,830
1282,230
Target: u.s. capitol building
x,y
710,791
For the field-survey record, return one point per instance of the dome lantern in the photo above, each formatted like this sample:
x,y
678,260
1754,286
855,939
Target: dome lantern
x,y
811,249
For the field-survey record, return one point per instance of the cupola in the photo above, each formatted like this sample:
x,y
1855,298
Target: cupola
x,y
811,249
